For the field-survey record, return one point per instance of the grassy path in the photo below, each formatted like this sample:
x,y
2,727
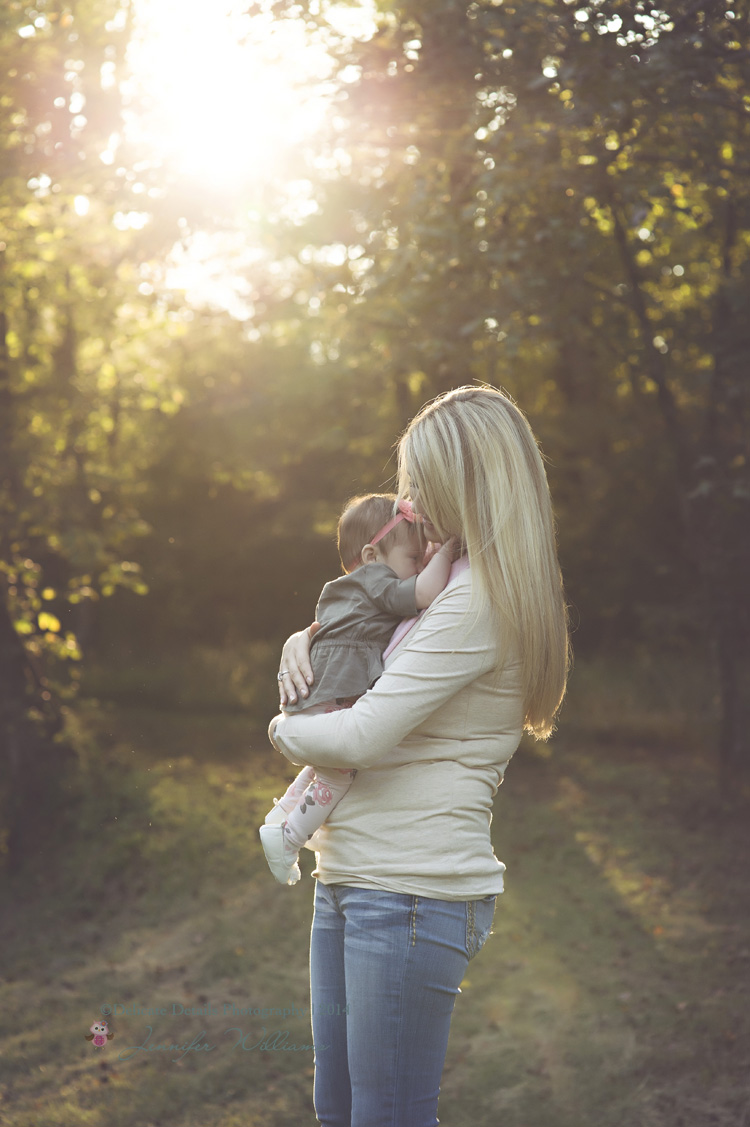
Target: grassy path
x,y
613,992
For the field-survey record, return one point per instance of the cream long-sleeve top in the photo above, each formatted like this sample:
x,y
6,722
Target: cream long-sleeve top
x,y
430,743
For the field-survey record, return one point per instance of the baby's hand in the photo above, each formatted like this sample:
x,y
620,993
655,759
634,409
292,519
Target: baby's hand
x,y
431,550
450,548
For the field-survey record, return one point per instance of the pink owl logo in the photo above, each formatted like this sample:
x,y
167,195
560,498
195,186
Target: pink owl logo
x,y
99,1034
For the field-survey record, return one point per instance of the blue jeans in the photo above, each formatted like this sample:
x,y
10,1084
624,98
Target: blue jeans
x,y
384,971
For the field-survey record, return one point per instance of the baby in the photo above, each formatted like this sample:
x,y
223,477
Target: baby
x,y
382,551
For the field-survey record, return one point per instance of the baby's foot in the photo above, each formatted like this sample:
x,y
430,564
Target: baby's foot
x,y
277,816
280,854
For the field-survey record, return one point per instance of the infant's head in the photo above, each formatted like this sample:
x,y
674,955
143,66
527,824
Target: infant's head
x,y
363,518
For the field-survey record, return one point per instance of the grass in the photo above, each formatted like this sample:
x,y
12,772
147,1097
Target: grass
x,y
612,993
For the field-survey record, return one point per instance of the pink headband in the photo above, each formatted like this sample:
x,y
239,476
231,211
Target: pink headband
x,y
405,512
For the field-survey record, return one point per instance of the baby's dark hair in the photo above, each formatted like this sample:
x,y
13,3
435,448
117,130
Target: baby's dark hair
x,y
362,518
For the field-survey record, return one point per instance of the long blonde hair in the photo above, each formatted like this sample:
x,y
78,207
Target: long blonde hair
x,y
474,461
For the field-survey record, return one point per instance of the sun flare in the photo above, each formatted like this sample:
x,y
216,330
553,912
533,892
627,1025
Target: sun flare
x,y
226,99
230,105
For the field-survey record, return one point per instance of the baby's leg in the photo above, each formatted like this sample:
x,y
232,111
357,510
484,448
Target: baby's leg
x,y
296,789
322,795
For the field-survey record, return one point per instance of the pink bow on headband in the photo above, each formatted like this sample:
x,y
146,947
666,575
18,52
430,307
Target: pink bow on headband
x,y
405,512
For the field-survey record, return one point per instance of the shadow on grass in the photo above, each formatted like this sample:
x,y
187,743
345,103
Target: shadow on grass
x,y
160,907
608,993
613,992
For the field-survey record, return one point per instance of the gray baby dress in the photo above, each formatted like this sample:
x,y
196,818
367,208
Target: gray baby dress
x,y
357,615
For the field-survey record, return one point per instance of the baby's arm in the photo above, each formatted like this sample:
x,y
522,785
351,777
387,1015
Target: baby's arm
x,y
433,578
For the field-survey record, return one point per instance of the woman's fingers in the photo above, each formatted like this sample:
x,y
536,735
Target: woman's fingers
x,y
295,672
287,691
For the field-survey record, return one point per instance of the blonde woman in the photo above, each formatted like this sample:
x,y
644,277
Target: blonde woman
x,y
406,875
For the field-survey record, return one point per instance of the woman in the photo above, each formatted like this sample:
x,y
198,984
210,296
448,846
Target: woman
x,y
407,878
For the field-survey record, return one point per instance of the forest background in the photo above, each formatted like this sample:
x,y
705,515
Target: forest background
x,y
552,198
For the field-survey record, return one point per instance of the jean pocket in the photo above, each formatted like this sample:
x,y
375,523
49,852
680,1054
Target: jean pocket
x,y
479,917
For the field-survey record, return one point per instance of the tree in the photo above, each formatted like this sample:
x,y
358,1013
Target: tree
x,y
82,393
555,198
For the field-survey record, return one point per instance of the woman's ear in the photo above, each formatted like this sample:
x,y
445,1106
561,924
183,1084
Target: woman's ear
x,y
369,554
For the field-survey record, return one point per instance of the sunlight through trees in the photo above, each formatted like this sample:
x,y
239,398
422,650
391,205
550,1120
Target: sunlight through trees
x,y
239,248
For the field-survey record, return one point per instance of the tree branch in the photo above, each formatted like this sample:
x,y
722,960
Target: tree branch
x,y
654,360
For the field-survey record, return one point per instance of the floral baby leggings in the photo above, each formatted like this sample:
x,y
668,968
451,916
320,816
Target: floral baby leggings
x,y
310,799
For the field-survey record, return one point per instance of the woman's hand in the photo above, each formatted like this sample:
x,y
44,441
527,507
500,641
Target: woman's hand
x,y
295,671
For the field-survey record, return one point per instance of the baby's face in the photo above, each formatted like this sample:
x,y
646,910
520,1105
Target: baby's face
x,y
405,559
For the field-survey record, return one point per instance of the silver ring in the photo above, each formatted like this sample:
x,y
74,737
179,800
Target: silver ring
x,y
280,676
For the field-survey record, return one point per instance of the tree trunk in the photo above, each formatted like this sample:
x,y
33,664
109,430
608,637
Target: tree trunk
x,y
31,759
719,531
733,738
715,512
